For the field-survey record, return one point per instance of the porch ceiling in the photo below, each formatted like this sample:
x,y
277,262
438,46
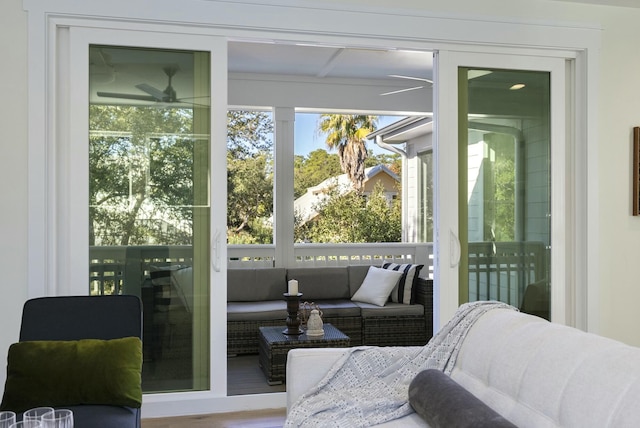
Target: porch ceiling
x,y
329,61
120,70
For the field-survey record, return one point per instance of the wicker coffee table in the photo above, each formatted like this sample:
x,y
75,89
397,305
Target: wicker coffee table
x,y
274,346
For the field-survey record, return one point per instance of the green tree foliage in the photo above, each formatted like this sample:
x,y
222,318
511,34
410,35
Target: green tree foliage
x,y
140,175
504,170
313,169
249,133
354,218
346,133
393,161
249,199
500,177
249,177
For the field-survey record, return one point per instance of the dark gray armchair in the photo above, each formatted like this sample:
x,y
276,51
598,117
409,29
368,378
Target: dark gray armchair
x,y
72,318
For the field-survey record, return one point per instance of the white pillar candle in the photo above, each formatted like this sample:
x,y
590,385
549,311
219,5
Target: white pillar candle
x,y
293,286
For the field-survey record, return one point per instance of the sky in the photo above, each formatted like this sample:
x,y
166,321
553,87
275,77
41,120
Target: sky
x,y
307,138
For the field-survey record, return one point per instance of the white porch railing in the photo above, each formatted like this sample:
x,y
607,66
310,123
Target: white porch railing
x,y
499,270
315,255
111,267
247,256
503,270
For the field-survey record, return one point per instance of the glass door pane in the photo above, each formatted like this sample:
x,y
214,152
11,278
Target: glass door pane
x,y
149,207
505,187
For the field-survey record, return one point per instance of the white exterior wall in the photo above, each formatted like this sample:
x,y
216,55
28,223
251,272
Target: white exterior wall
x,y
411,184
475,191
536,136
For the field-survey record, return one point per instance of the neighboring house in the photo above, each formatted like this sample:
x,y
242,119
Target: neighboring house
x,y
412,139
305,206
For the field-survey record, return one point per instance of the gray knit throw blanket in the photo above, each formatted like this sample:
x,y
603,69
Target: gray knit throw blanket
x,y
370,385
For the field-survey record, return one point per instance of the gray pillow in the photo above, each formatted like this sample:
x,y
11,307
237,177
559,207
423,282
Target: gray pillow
x,y
321,283
443,403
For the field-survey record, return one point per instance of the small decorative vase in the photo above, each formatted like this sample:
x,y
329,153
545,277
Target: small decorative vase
x,y
314,324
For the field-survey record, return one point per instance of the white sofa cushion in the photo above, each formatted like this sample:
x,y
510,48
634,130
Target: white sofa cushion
x,y
539,374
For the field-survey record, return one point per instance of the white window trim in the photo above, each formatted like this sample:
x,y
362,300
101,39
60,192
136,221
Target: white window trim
x,y
309,23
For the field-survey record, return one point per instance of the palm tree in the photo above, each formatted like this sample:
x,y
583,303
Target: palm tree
x,y
347,133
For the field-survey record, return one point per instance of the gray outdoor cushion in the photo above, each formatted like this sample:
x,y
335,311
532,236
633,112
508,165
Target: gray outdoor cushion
x,y
357,273
390,309
335,308
256,284
321,282
443,403
256,311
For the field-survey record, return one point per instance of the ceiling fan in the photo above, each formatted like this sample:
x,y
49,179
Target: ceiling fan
x,y
399,76
169,95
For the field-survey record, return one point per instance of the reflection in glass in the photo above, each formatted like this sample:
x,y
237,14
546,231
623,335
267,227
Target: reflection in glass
x,y
149,201
505,183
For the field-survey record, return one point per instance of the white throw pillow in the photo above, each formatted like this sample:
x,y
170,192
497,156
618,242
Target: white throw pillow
x,y
377,286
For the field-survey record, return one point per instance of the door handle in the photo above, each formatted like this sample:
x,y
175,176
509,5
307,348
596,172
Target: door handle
x,y
454,249
215,251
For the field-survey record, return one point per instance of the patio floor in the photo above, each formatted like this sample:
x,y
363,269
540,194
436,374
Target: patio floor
x,y
244,376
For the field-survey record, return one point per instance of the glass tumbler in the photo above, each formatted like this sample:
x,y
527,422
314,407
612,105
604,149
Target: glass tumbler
x,y
7,419
60,418
31,423
36,413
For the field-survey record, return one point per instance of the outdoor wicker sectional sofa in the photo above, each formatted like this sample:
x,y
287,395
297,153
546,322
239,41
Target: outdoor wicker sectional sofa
x,y
255,298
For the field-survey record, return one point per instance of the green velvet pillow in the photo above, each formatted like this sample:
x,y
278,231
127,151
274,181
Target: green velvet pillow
x,y
68,373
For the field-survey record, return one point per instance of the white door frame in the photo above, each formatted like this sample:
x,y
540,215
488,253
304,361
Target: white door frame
x,y
289,20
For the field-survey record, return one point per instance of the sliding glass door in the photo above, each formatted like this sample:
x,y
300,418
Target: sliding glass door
x,y
149,202
146,111
505,135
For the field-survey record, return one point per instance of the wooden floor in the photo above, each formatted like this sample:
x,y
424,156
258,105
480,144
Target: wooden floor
x,y
271,418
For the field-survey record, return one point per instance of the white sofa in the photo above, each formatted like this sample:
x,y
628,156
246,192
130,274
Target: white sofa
x,y
534,373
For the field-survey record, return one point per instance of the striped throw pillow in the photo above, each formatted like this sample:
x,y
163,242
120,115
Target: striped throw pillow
x,y
403,292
